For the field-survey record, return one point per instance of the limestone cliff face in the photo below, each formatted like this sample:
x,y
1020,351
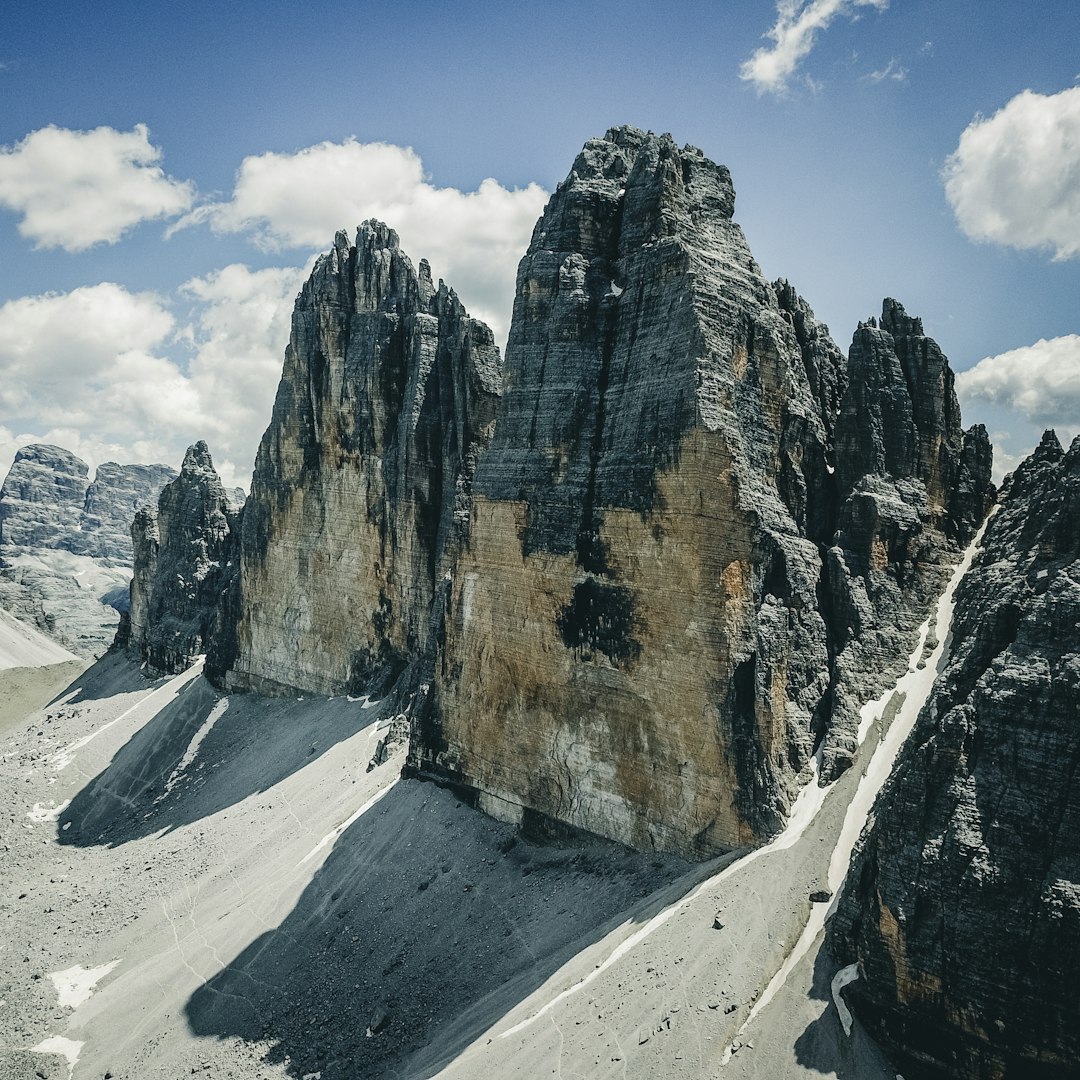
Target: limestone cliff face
x,y
912,488
185,557
65,549
963,904
635,643
361,484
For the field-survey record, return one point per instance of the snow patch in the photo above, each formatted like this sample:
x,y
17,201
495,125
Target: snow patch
x,y
841,979
331,836
68,1049
41,814
76,984
190,753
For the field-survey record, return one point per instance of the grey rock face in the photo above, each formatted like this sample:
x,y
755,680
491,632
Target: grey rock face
x,y
110,504
361,485
185,557
913,487
42,499
963,903
65,550
640,640
697,541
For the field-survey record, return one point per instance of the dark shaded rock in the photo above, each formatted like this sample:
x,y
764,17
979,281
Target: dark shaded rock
x,y
700,538
361,486
963,903
185,556
913,489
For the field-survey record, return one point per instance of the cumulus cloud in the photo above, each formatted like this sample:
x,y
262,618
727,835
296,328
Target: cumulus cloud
x,y
76,189
94,369
238,335
1041,382
1014,178
472,239
798,23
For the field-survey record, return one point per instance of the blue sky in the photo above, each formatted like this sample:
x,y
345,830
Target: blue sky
x,y
838,165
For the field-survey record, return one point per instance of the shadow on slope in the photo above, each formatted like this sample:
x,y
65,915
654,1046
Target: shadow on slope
x,y
823,1047
422,910
202,752
106,677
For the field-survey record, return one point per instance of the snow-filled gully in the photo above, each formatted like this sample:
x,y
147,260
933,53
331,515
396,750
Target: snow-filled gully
x,y
913,689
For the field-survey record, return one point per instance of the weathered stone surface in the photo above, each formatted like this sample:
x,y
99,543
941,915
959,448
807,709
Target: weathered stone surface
x,y
913,487
963,903
361,484
110,504
185,557
640,639
65,551
42,497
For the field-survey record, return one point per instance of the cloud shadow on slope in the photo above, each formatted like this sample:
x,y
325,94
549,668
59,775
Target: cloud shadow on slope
x,y
253,744
427,923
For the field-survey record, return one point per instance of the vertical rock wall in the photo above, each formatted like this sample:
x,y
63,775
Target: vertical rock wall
x,y
361,483
185,556
641,641
963,903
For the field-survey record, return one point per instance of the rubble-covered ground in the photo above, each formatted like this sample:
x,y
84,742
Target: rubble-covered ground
x,y
195,884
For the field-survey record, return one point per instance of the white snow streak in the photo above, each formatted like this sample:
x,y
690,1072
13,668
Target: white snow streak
x,y
915,686
68,1049
844,976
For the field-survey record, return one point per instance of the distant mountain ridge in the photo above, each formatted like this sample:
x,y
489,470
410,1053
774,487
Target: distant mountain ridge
x,y
65,542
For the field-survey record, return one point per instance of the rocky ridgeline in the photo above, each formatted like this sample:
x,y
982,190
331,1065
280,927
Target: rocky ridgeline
x,y
65,546
360,496
634,593
963,904
693,551
186,554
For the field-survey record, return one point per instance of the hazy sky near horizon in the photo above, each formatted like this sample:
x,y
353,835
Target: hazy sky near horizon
x,y
169,172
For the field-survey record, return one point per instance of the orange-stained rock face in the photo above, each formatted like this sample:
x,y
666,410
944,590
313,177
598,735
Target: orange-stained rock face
x,y
361,484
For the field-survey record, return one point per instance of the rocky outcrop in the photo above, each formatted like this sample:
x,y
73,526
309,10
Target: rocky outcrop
x,y
186,555
361,487
963,904
912,487
677,531
65,550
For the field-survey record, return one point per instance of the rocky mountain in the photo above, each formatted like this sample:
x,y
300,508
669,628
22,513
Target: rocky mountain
x,y
65,547
186,553
634,593
963,909
361,487
691,557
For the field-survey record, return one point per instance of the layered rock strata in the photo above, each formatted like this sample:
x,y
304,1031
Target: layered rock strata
x,y
963,904
65,548
361,488
912,487
186,554
641,641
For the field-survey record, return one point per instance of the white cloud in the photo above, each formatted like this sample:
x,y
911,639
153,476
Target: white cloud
x,y
798,23
472,239
91,370
76,189
1014,178
1041,382
239,333
893,71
